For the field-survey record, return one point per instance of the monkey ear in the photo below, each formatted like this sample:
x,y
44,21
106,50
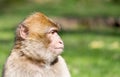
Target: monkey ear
x,y
23,31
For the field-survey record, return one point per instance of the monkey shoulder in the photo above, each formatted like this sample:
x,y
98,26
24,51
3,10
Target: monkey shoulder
x,y
61,67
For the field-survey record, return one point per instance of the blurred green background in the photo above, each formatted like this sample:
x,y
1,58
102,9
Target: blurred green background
x,y
90,31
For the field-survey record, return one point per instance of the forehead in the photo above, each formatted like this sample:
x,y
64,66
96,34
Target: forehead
x,y
40,21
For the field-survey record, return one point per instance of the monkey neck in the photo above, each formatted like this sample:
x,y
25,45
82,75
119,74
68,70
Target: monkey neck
x,y
54,62
36,51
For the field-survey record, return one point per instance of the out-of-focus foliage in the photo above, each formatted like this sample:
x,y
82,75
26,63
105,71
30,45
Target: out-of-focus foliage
x,y
73,8
5,3
91,49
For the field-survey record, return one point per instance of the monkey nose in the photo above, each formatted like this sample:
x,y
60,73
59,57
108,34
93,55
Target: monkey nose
x,y
61,42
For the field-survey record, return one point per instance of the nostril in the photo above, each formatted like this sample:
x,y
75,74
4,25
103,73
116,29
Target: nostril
x,y
60,42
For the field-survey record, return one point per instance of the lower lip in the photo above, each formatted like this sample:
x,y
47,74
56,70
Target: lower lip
x,y
59,48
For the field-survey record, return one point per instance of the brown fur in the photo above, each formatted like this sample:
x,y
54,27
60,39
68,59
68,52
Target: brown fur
x,y
30,57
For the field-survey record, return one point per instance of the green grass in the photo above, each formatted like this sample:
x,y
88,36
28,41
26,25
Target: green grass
x,y
87,53
85,61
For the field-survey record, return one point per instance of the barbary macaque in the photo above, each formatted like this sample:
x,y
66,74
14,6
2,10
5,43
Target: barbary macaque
x,y
37,50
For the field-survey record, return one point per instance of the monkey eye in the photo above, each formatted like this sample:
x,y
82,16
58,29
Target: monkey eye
x,y
53,31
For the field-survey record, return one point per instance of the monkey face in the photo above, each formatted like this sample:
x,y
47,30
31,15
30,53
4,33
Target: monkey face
x,y
43,31
56,44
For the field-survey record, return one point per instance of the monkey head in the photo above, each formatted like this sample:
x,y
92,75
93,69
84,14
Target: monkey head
x,y
40,29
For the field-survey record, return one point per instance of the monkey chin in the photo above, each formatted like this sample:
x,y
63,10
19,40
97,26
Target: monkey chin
x,y
58,51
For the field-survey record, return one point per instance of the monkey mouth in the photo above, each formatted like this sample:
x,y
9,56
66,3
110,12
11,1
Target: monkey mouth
x,y
59,48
